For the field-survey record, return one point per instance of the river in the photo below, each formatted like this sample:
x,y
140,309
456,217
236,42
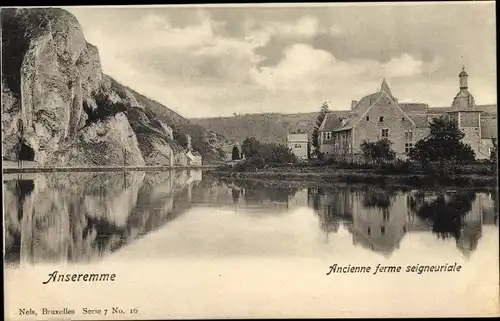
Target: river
x,y
202,246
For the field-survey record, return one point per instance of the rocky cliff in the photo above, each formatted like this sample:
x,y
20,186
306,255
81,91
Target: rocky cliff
x,y
60,109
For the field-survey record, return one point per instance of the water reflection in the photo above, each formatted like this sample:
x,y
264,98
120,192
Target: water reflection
x,y
83,216
379,218
80,217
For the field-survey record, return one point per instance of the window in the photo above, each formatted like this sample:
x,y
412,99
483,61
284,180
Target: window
x,y
402,119
328,135
381,119
382,230
369,231
298,146
385,132
367,118
408,136
385,216
408,147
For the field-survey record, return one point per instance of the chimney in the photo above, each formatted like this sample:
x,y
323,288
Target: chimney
x,y
353,104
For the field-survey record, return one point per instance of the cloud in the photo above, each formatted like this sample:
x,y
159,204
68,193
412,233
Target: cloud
x,y
306,67
207,62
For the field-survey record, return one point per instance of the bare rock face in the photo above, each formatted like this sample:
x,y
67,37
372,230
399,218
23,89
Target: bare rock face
x,y
11,113
59,106
110,142
51,85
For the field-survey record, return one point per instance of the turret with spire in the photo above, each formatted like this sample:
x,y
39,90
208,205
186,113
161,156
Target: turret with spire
x,y
463,78
467,116
463,100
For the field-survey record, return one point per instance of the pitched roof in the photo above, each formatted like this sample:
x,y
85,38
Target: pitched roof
x,y
332,120
297,137
359,110
411,108
420,120
437,110
492,109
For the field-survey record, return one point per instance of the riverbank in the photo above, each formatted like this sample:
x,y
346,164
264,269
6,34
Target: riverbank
x,y
15,170
335,176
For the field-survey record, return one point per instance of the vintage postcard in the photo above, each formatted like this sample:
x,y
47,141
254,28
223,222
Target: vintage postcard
x,y
250,161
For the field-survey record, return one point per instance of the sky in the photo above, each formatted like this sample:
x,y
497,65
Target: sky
x,y
210,61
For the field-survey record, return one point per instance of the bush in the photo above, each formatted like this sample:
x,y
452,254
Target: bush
x,y
396,167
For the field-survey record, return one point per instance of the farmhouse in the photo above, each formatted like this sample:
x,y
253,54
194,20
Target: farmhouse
x,y
380,115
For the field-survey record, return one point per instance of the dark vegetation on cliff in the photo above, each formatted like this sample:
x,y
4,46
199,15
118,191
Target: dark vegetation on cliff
x,y
208,143
15,41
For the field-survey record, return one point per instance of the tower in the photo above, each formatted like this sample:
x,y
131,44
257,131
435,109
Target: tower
x,y
464,112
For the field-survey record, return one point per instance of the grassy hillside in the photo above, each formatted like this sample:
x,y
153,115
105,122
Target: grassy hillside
x,y
267,128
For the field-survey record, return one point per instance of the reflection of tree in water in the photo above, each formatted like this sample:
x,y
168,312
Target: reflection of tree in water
x,y
236,194
494,196
258,191
374,197
445,213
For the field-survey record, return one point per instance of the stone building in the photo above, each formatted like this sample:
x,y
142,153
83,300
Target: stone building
x,y
194,158
380,115
298,144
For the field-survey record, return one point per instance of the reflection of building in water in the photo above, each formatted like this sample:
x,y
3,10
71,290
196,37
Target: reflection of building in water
x,y
456,214
299,199
380,220
375,217
249,197
482,212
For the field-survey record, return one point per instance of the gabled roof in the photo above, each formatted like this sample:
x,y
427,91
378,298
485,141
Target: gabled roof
x,y
491,109
364,106
420,120
297,137
412,108
437,110
332,120
359,110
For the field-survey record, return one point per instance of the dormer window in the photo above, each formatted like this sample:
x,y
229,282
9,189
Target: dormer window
x,y
367,118
402,119
381,119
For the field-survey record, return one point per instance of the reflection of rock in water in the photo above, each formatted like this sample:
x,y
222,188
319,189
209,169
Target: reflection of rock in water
x,y
82,216
15,193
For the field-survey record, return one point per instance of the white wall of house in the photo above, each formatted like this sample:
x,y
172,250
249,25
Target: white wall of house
x,y
298,143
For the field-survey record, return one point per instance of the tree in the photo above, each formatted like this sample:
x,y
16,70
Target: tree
x,y
235,153
259,154
250,147
378,151
494,151
442,144
315,135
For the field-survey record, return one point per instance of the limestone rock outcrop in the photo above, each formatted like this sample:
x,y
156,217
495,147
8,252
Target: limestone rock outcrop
x,y
60,109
